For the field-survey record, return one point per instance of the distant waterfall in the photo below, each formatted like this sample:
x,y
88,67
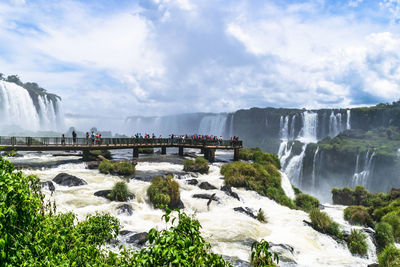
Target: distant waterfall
x,y
308,133
285,150
348,125
335,124
313,174
287,186
17,109
284,128
361,177
294,169
231,126
213,124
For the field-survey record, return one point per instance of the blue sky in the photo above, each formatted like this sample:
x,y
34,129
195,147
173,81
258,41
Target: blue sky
x,y
154,57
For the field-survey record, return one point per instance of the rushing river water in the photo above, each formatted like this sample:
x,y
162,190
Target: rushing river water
x,y
229,232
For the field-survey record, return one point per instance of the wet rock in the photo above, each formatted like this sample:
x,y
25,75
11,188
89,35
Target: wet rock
x,y
103,193
245,210
143,178
285,253
125,208
394,193
49,185
114,242
138,239
194,175
92,165
373,265
228,190
192,181
125,232
236,262
66,179
207,186
206,196
178,205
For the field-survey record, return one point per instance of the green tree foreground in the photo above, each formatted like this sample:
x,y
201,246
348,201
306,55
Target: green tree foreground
x,y
32,234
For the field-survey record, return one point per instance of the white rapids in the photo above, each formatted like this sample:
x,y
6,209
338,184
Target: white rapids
x,y
230,233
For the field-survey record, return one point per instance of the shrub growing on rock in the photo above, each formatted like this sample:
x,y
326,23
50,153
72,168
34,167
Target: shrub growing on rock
x,y
357,243
389,257
164,191
306,202
323,223
95,153
393,219
247,153
119,192
261,216
146,150
198,165
124,168
358,215
383,235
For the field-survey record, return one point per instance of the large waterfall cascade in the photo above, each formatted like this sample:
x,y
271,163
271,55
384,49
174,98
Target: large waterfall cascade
x,y
229,232
313,174
361,177
18,109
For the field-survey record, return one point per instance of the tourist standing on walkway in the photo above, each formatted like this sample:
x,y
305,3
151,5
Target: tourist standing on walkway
x,y
63,139
74,137
87,138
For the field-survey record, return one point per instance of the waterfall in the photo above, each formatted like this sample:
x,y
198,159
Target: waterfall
x,y
335,123
308,133
285,150
213,124
292,128
313,175
17,109
287,186
284,125
348,126
231,127
361,178
294,168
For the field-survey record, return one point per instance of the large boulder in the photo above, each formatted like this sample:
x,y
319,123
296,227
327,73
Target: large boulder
x,y
125,209
192,181
125,232
178,205
103,193
138,239
207,186
66,179
246,210
49,185
285,253
228,190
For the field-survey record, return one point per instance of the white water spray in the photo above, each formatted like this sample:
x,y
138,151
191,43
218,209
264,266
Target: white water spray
x,y
313,175
361,178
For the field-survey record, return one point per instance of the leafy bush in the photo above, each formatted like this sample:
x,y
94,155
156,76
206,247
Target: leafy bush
x,y
247,153
306,202
393,219
260,256
164,191
262,177
258,156
323,223
119,192
106,167
389,257
124,168
146,150
198,165
357,242
358,215
383,235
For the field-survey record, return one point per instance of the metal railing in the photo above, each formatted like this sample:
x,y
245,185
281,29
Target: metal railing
x,y
59,141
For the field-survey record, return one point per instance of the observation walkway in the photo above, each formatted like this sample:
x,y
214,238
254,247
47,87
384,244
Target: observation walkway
x,y
208,147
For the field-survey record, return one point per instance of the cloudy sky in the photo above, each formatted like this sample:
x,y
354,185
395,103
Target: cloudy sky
x,y
154,57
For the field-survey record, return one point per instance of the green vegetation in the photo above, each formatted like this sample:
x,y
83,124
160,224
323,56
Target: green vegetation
x,y
95,153
389,257
256,155
261,256
383,235
32,235
357,243
393,219
12,153
198,165
146,150
261,176
125,168
358,215
261,216
164,191
306,202
324,224
247,153
119,192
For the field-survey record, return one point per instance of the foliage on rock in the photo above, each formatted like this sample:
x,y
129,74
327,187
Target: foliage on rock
x,y
164,191
124,168
306,202
198,165
261,256
358,215
357,243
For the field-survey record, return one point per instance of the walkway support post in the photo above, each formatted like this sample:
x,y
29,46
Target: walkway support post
x,y
85,155
211,155
206,153
135,152
181,151
236,154
163,150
